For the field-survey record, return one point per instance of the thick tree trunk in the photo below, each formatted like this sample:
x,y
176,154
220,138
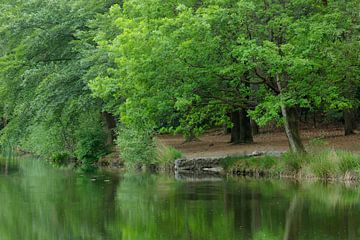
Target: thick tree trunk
x,y
109,124
246,135
235,130
291,124
349,122
254,127
227,130
241,131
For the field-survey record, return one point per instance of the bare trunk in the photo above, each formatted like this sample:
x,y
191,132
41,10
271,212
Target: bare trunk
x,y
226,129
235,130
254,127
246,135
291,119
241,131
109,124
291,124
349,122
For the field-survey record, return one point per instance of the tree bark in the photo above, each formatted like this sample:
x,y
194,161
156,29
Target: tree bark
x,y
246,135
291,119
349,122
254,127
109,124
241,131
235,130
291,124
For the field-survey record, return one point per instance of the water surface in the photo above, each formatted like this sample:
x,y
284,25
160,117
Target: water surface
x,y
41,202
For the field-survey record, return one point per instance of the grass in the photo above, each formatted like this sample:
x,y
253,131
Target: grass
x,y
324,164
167,154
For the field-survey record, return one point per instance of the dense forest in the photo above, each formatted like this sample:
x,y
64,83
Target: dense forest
x,y
77,77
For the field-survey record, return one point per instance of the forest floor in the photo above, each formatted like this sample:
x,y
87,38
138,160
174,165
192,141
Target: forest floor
x,y
216,143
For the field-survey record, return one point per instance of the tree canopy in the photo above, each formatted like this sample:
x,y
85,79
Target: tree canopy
x,y
67,68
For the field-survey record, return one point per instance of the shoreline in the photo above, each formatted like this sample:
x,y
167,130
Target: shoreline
x,y
326,165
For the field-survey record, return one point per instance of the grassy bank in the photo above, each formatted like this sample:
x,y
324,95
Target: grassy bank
x,y
322,164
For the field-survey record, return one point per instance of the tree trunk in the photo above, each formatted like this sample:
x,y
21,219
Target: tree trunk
x,y
109,124
291,119
227,130
246,135
349,122
235,130
254,127
241,131
291,124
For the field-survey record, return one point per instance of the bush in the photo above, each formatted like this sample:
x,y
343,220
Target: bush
x,y
43,140
60,158
137,147
90,140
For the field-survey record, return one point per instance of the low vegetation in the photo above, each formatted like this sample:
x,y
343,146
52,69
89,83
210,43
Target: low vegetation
x,y
324,164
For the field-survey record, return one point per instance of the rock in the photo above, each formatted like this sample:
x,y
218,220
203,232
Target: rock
x,y
197,164
212,165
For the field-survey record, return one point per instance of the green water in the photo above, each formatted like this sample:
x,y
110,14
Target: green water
x,y
43,203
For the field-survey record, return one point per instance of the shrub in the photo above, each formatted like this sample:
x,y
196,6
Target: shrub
x,y
60,158
90,140
43,140
137,147
90,147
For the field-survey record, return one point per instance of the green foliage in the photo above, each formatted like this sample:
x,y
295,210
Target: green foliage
x,y
179,66
137,147
90,139
60,158
44,68
43,140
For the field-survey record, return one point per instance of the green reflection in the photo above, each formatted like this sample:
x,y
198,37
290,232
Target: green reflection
x,y
39,202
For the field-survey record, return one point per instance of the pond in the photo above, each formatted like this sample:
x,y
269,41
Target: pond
x,y
41,202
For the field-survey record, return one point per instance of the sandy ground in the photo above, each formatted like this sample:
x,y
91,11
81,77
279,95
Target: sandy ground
x,y
216,143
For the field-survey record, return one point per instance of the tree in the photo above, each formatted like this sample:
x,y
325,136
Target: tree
x,y
44,92
287,52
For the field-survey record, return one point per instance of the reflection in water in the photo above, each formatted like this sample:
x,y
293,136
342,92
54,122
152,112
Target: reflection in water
x,y
38,202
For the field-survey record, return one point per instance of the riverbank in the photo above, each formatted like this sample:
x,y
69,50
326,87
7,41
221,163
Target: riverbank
x,y
325,164
331,156
216,143
328,164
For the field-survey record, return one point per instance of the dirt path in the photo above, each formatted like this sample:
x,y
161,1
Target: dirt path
x,y
216,144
